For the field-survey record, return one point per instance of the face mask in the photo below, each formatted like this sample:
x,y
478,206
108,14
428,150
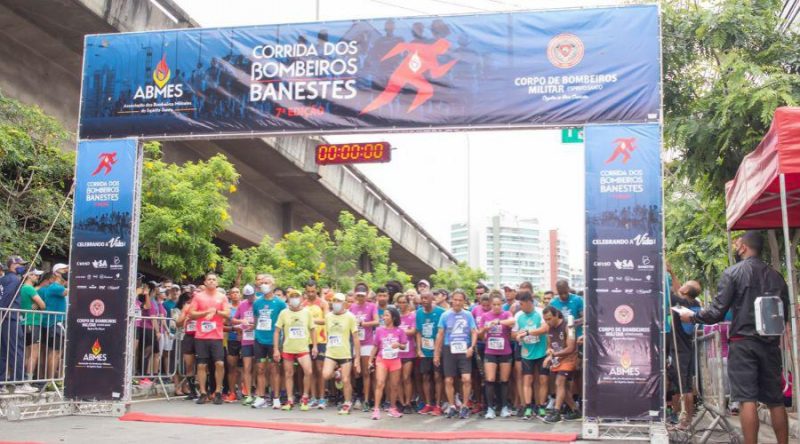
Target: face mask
x,y
337,306
294,302
265,288
66,276
736,256
20,270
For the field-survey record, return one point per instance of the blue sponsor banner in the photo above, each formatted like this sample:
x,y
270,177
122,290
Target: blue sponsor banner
x,y
103,249
624,282
566,67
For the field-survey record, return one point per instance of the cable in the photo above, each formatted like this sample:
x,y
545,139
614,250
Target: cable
x,y
41,246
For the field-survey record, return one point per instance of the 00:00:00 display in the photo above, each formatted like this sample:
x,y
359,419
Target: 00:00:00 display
x,y
350,152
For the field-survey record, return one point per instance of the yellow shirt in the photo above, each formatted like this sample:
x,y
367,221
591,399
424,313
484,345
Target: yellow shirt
x,y
297,327
318,313
340,329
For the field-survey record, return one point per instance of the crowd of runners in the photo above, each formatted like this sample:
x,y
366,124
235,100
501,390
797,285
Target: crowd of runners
x,y
509,353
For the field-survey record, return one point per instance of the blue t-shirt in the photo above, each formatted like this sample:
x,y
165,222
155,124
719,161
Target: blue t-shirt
x,y
533,347
572,306
266,315
8,289
457,326
169,304
428,327
55,300
232,334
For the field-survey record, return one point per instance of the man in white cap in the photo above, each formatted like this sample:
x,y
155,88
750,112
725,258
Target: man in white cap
x,y
423,285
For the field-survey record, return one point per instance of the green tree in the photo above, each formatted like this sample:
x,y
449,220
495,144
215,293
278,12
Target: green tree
x,y
35,179
460,276
183,208
243,264
302,256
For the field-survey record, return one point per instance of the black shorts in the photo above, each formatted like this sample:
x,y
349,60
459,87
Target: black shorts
x,y
263,352
340,361
55,338
148,339
209,350
187,344
498,359
248,351
33,334
406,360
683,363
234,348
531,366
517,349
426,367
455,364
138,333
321,348
754,369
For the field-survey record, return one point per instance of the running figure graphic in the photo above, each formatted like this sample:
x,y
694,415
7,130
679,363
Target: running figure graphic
x,y
625,146
420,58
107,160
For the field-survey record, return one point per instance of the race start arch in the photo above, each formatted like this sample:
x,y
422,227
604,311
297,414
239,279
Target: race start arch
x,y
597,68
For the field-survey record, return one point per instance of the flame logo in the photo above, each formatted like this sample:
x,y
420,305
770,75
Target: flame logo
x,y
96,347
625,361
162,73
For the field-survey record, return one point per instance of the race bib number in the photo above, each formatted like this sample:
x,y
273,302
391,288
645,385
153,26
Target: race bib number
x,y
427,330
264,322
137,312
362,333
297,332
191,326
531,339
496,343
208,326
458,347
248,335
427,343
389,353
334,341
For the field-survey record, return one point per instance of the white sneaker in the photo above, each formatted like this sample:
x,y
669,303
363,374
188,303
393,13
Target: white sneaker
x,y
3,390
551,404
505,413
458,401
260,403
490,413
25,388
276,403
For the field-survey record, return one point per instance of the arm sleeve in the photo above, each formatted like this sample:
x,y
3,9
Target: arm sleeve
x,y
715,312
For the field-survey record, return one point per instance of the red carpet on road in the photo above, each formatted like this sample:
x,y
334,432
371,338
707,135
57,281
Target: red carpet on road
x,y
348,431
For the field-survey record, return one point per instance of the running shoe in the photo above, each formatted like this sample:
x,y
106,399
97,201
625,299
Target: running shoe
x,y
366,407
426,410
357,405
218,398
345,410
314,403
231,398
458,400
376,413
505,413
323,404
513,412
527,414
554,417
191,396
573,415
451,412
394,413
25,389
202,399
276,403
464,412
437,411
248,400
408,410
304,404
288,406
260,403
490,413
521,412
551,403
541,412
476,408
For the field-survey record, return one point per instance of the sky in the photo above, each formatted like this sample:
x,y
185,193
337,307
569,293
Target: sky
x,y
520,172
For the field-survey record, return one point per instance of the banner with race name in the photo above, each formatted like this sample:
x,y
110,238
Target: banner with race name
x,y
624,282
102,266
533,68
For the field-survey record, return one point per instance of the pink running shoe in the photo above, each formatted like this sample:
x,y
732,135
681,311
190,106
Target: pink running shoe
x,y
394,413
376,414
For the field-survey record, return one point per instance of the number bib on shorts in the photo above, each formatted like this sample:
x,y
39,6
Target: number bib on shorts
x,y
427,343
362,333
208,326
248,335
264,322
334,341
191,326
458,347
297,332
389,353
496,343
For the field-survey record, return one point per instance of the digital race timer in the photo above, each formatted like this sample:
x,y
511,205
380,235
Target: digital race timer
x,y
346,153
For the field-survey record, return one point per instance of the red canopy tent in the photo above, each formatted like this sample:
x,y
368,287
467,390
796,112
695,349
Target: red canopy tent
x,y
766,194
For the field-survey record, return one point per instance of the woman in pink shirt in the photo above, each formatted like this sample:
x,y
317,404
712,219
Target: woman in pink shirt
x,y
367,315
408,323
389,340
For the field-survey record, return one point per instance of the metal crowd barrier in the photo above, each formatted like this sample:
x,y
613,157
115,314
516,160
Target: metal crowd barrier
x,y
712,376
157,351
32,344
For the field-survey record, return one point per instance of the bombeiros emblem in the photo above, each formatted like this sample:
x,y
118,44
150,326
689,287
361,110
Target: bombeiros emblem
x,y
565,50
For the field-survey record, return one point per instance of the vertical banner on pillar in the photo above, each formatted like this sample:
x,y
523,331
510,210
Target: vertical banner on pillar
x,y
623,272
102,258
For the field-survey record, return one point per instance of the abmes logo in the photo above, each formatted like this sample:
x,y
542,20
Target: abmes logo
x,y
161,76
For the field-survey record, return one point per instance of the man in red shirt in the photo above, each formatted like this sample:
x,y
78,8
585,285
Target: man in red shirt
x,y
210,309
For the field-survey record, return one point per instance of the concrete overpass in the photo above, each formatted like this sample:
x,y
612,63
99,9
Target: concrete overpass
x,y
281,189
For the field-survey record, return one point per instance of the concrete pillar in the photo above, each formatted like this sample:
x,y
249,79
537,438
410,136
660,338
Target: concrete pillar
x,y
287,217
